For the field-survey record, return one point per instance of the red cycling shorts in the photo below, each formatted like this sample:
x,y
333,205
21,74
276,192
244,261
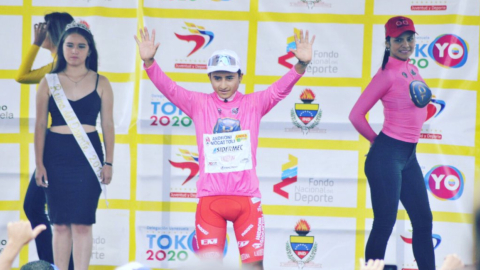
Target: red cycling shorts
x,y
211,226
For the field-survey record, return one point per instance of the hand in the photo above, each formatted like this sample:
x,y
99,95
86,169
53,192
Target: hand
x,y
304,47
372,265
106,174
452,262
20,233
41,177
40,33
147,46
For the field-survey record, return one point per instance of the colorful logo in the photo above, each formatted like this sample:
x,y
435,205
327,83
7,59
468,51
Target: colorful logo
x,y
445,182
241,137
449,51
306,115
289,176
310,3
190,164
436,237
193,244
198,37
301,248
435,108
282,60
225,125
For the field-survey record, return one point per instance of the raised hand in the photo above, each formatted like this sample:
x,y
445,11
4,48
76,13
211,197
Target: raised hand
x,y
146,46
303,52
40,33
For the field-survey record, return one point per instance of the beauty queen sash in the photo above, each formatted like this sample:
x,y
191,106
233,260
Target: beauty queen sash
x,y
75,126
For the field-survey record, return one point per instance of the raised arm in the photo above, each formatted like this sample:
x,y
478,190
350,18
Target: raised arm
x,y
25,74
108,128
182,98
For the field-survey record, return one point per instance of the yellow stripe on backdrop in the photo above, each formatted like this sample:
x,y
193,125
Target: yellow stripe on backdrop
x,y
135,140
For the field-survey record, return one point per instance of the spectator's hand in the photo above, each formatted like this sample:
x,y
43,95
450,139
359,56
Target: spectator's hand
x,y
41,176
106,174
20,233
452,262
147,46
40,31
371,265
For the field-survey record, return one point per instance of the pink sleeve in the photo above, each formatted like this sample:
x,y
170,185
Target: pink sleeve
x,y
268,98
182,98
375,90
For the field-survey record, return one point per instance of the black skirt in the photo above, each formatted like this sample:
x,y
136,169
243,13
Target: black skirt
x,y
73,189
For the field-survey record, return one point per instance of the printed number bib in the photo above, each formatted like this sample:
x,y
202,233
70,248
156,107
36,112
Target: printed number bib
x,y
227,152
420,93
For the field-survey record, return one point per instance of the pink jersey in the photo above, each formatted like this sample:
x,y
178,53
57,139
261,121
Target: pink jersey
x,y
207,111
403,120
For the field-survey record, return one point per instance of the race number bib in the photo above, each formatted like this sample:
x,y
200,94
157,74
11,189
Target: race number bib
x,y
227,152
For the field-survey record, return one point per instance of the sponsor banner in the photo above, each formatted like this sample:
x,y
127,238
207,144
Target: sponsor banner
x,y
227,5
87,3
449,119
295,242
122,107
11,2
187,44
9,106
448,180
120,186
5,217
168,240
308,177
447,238
112,57
330,57
157,115
313,6
429,7
151,182
443,51
10,171
111,246
312,113
167,173
11,51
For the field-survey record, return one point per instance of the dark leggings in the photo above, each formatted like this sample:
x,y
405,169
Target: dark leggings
x,y
34,207
394,175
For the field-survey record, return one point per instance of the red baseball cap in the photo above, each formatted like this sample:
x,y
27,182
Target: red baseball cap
x,y
397,25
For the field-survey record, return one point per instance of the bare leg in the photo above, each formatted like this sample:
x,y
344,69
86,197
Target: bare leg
x,y
253,266
82,245
62,245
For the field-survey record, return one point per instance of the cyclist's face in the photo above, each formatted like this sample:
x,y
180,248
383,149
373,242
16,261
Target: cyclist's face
x,y
225,83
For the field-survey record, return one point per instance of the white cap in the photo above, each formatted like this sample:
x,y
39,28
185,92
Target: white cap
x,y
223,60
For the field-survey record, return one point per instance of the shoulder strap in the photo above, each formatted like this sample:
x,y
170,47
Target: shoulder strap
x,y
96,84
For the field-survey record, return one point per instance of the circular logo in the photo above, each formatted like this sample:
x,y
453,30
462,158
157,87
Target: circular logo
x,y
449,51
420,93
445,182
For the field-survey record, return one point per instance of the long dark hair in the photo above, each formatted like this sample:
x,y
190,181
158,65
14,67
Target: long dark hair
x,y
386,55
92,60
56,25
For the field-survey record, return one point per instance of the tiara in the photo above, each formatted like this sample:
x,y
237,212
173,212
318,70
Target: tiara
x,y
81,24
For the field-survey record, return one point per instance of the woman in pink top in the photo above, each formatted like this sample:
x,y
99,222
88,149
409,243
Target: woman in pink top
x,y
391,166
227,126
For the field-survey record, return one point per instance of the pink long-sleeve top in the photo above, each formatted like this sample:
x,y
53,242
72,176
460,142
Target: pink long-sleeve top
x,y
207,110
403,120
